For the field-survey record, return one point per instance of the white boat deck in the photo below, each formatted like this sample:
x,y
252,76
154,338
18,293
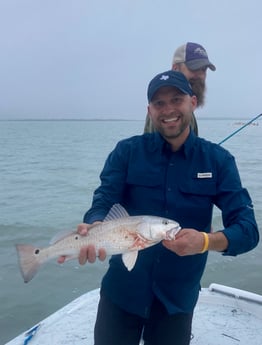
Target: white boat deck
x,y
223,316
227,316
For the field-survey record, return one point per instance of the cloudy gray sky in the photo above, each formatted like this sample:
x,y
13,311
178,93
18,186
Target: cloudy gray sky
x,y
94,58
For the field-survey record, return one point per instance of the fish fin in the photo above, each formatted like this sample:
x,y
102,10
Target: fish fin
x,y
28,261
61,235
129,259
116,211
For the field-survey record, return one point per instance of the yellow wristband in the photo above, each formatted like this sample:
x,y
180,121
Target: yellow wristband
x,y
206,242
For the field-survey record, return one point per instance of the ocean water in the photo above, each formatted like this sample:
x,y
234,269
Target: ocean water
x,y
48,171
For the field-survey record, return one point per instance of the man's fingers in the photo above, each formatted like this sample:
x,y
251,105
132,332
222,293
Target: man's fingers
x,y
87,253
61,259
102,254
82,229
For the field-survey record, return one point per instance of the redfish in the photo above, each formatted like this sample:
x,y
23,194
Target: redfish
x,y
119,233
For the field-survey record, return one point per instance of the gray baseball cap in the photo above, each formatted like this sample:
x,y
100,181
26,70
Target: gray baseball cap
x,y
193,55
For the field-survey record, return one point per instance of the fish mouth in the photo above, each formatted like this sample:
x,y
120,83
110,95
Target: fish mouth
x,y
171,234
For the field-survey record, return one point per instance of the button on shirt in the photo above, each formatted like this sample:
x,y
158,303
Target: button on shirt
x,y
147,178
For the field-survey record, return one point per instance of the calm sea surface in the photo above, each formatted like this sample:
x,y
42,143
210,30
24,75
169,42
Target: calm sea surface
x,y
48,171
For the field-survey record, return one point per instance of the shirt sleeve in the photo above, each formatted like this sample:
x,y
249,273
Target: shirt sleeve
x,y
110,191
237,210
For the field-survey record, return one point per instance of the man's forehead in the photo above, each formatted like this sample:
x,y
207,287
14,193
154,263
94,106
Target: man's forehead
x,y
168,89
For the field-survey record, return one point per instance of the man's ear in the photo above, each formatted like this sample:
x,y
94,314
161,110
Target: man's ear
x,y
194,102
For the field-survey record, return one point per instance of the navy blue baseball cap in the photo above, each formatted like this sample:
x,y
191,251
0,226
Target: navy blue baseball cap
x,y
169,78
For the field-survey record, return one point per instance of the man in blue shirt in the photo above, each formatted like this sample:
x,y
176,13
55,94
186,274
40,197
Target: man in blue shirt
x,y
170,173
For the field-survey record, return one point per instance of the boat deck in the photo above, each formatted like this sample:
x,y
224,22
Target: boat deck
x,y
223,316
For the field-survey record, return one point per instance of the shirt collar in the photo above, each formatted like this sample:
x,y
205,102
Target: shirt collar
x,y
159,143
156,142
190,142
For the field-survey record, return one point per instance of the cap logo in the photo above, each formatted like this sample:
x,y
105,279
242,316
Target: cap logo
x,y
164,77
200,51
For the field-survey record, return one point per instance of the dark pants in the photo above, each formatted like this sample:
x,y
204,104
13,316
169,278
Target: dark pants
x,y
115,326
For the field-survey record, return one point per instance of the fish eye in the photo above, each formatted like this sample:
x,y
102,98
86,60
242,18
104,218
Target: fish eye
x,y
76,237
165,221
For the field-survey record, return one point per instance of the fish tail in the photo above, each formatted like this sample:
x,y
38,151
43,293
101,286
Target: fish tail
x,y
28,260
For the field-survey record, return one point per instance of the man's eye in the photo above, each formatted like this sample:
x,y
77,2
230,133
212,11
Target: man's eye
x,y
177,100
158,103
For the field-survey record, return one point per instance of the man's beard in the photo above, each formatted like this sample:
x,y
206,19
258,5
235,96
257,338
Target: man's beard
x,y
199,89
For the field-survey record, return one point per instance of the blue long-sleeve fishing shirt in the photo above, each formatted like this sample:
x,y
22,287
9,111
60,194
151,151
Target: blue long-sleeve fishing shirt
x,y
147,178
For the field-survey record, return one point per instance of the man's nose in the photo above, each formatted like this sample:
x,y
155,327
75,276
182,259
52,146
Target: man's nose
x,y
169,107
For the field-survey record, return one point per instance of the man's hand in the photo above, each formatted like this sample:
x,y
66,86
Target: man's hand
x,y
186,242
191,241
87,253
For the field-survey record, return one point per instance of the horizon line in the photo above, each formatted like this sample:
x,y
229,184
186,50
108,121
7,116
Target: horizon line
x,y
114,119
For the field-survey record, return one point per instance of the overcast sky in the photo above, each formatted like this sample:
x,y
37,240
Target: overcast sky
x,y
94,58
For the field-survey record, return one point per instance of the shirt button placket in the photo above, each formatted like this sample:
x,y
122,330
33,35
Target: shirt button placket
x,y
169,189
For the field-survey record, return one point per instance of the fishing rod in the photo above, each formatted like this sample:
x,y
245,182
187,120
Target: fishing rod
x,y
239,129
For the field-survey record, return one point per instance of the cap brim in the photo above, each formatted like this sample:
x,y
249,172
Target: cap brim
x,y
200,63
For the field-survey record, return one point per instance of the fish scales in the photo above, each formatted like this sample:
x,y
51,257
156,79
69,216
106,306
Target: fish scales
x,y
115,238
125,235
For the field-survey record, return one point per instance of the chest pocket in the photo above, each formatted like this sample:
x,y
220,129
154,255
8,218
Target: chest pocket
x,y
199,187
197,196
145,192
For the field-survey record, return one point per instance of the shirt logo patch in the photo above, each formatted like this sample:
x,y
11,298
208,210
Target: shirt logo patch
x,y
204,175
